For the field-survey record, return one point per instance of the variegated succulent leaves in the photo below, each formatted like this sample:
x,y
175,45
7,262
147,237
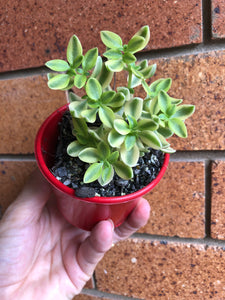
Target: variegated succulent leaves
x,y
113,128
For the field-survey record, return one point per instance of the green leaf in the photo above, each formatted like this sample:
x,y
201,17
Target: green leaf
x,y
74,49
134,107
129,58
103,150
135,81
115,139
105,77
178,127
90,59
51,75
125,91
77,61
93,89
107,97
129,142
164,142
89,155
168,150
175,101
79,81
113,54
59,82
160,84
122,170
145,124
74,149
149,71
142,64
130,157
145,33
76,107
74,97
164,131
107,175
111,39
154,106
98,67
121,126
58,65
107,116
164,101
184,111
90,114
150,139
118,100
136,44
113,157
115,65
82,138
80,126
69,85
93,172
171,110
132,122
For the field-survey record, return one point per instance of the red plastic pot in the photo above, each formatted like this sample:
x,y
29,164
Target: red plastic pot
x,y
82,212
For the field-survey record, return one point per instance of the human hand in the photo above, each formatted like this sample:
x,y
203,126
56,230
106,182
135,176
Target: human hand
x,y
44,257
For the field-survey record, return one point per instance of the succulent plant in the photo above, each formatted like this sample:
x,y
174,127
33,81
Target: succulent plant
x,y
112,128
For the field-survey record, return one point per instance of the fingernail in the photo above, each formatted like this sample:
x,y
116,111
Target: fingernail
x,y
112,224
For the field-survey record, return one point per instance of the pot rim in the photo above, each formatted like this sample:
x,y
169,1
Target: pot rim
x,y
97,199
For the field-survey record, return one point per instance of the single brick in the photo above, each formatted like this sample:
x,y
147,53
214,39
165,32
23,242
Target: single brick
x,y
38,32
178,201
199,80
218,19
13,175
218,200
25,104
163,270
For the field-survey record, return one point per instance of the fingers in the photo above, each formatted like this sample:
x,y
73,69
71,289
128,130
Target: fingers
x,y
88,253
29,204
136,220
95,246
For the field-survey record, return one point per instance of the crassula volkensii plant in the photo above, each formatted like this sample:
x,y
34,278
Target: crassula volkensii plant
x,y
112,128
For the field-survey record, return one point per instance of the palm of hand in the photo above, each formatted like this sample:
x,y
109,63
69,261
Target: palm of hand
x,y
42,256
37,256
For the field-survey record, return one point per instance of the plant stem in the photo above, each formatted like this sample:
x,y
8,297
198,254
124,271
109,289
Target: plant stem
x,y
146,87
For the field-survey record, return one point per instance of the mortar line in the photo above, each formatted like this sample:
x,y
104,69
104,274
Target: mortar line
x,y
100,294
17,157
206,21
199,155
206,241
94,281
208,180
184,156
23,73
183,50
218,45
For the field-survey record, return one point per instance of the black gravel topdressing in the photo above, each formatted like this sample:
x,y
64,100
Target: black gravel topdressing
x,y
70,171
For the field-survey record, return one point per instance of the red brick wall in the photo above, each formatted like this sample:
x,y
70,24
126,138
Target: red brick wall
x,y
179,254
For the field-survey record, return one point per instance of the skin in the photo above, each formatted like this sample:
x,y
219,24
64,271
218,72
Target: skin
x,y
44,257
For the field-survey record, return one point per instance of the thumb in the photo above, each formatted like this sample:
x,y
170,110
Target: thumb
x,y
95,246
89,253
